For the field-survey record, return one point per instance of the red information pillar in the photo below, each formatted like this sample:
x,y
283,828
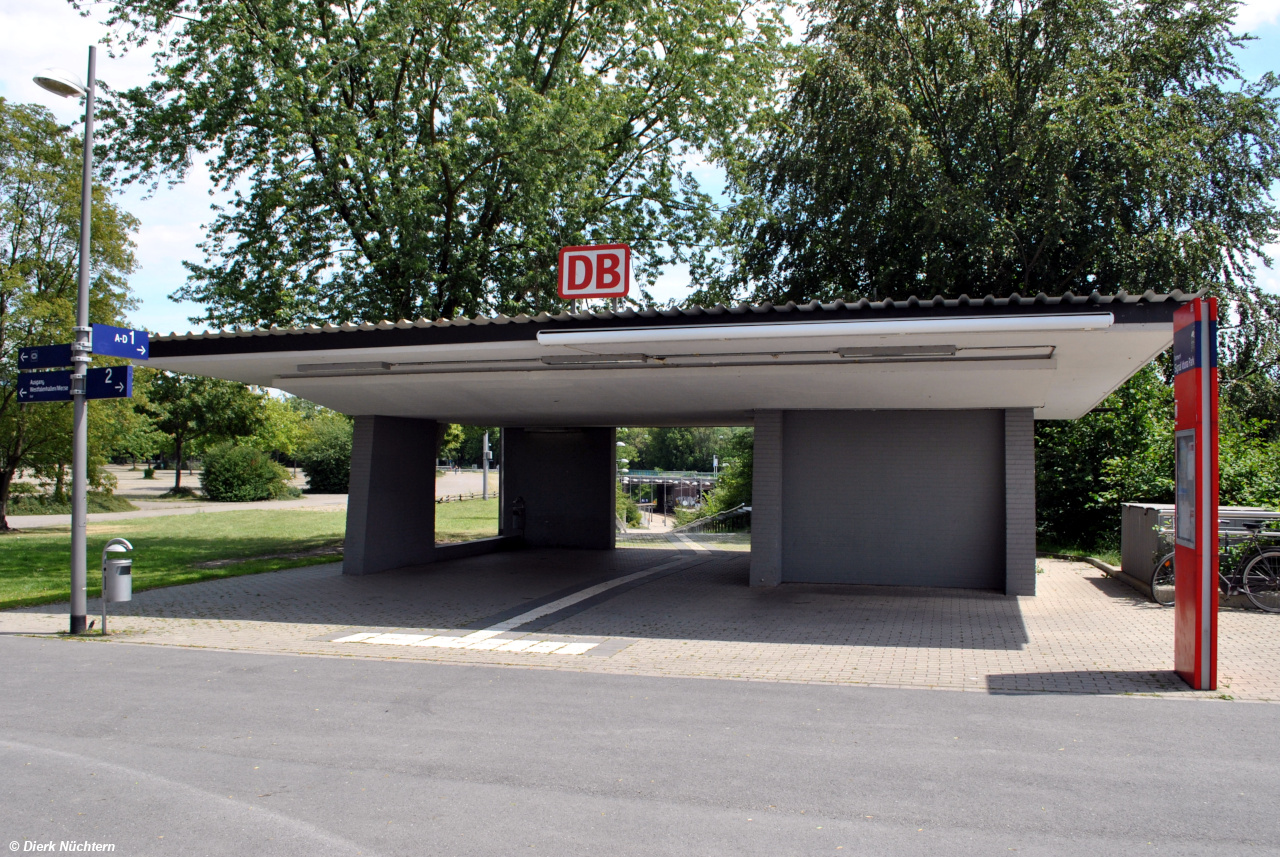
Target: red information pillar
x,y
1195,392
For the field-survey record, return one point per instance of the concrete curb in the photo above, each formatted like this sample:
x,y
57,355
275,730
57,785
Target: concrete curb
x,y
1107,569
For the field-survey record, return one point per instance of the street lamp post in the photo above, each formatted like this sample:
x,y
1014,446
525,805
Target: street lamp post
x,y
484,463
66,85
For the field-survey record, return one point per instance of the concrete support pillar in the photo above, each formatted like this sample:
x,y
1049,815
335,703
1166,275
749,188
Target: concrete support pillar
x,y
766,500
1020,501
391,508
557,486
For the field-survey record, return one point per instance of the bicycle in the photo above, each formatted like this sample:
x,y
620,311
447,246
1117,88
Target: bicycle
x,y
1256,574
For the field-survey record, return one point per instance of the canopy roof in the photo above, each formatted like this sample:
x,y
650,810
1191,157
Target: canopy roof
x,y
704,365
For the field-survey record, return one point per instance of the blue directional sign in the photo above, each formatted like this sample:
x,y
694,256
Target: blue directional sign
x,y
44,357
121,342
110,382
44,386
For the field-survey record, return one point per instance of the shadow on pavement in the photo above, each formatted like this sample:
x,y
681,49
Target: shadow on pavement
x,y
1087,681
706,598
1121,591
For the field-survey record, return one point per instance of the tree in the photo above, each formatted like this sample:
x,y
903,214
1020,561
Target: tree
x,y
470,446
192,409
281,429
324,451
683,448
1123,451
737,466
1086,468
40,174
450,444
961,147
429,158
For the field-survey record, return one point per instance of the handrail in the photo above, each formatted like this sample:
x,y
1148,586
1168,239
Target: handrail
x,y
738,511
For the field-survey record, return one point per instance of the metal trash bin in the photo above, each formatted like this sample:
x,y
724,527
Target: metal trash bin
x,y
117,580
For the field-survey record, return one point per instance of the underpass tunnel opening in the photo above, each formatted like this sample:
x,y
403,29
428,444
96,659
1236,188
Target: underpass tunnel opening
x,y
695,479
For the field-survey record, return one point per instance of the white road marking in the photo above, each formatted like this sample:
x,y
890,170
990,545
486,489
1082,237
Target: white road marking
x,y
486,645
692,544
485,640
442,642
481,635
356,638
580,595
575,648
396,639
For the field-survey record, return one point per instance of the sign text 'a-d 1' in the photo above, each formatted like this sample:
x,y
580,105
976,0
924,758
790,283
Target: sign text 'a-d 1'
x,y
44,357
600,271
111,341
109,382
44,386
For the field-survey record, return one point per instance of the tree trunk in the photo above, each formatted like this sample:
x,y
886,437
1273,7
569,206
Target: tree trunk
x,y
59,492
6,479
177,464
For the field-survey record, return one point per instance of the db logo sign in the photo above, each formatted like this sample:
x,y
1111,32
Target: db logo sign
x,y
602,271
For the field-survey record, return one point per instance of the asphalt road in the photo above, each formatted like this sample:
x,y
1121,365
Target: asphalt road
x,y
183,752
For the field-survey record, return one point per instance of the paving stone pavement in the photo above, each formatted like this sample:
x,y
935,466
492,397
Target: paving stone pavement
x,y
1082,633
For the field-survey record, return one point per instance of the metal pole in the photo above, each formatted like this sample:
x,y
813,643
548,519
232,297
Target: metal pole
x,y
80,365
484,464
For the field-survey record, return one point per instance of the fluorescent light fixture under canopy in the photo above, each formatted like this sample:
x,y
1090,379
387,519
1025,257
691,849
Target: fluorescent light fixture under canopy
x,y
810,330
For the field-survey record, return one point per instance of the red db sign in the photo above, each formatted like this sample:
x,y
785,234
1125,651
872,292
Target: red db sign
x,y
602,271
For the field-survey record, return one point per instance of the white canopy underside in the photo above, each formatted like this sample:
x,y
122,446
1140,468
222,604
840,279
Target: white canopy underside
x,y
706,378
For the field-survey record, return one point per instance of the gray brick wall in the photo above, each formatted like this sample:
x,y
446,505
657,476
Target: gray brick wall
x,y
1020,501
391,509
766,500
894,498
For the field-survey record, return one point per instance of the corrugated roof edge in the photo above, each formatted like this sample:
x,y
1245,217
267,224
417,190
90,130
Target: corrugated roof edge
x,y
936,302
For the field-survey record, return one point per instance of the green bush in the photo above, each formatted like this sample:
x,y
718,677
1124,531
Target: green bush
x,y
1124,452
733,488
24,502
241,473
326,455
626,508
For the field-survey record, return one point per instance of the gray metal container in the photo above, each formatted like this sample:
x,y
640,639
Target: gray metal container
x,y
1146,533
117,580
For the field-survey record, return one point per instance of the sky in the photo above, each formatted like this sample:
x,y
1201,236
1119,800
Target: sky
x,y
39,34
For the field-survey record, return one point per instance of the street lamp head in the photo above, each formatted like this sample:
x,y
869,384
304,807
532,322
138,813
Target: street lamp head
x,y
60,82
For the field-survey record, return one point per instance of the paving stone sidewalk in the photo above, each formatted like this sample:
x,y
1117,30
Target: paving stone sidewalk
x,y
1083,632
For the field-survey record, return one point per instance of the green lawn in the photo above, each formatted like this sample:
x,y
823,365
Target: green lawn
x,y
467,520
44,504
34,563
1107,555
